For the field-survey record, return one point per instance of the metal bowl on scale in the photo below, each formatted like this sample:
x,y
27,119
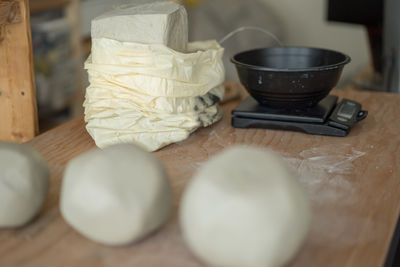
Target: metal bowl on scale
x,y
289,77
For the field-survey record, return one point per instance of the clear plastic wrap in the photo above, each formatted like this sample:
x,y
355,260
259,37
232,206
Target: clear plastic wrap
x,y
151,95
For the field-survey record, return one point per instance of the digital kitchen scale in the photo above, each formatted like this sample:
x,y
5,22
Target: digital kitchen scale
x,y
328,117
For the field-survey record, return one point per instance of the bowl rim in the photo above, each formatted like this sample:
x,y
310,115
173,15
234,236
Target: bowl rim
x,y
346,60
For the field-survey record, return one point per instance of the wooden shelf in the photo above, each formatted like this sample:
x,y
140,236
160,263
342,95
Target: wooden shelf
x,y
43,5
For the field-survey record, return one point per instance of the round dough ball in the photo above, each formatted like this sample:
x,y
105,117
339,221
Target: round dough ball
x,y
244,208
24,181
116,195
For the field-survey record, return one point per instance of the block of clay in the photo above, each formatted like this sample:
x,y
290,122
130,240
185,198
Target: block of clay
x,y
251,212
151,23
117,195
24,181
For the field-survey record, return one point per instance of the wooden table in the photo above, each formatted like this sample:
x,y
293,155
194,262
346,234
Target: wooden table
x,y
353,183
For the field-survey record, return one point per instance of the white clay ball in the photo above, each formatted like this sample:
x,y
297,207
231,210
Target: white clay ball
x,y
117,195
24,181
244,208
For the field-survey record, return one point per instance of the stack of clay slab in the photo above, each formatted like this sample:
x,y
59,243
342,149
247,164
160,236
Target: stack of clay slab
x,y
148,85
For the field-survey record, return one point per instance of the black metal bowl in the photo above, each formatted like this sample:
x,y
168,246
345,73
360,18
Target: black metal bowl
x,y
289,76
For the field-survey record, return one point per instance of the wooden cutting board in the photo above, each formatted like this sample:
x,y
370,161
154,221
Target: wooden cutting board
x,y
353,183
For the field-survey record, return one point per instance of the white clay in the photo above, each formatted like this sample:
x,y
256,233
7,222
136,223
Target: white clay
x,y
245,208
24,180
117,195
152,22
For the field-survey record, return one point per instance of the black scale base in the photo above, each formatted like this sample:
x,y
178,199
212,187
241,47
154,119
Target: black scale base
x,y
326,118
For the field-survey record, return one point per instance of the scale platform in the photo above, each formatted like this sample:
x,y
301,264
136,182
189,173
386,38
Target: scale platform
x,y
328,117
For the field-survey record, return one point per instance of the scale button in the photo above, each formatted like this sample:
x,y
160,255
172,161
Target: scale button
x,y
347,110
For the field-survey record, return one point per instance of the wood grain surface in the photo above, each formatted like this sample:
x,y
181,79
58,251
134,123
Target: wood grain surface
x,y
353,183
19,122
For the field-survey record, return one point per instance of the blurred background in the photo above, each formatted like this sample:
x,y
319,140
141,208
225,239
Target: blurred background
x,y
61,40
